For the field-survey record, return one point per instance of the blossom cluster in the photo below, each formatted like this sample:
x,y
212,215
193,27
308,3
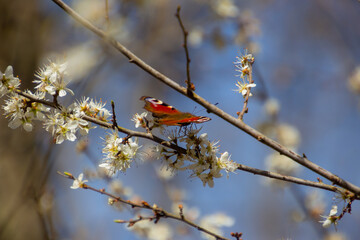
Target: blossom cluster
x,y
200,158
118,153
201,154
63,123
53,79
243,66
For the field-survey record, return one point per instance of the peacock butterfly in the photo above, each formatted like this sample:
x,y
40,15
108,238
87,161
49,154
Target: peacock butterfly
x,y
168,115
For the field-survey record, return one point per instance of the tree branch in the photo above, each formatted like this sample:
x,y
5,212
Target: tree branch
x,y
181,150
211,107
159,212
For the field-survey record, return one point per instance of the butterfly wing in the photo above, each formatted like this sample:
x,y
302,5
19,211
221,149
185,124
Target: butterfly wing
x,y
158,108
168,115
182,119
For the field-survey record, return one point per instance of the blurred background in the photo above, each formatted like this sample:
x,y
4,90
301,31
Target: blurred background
x,y
307,73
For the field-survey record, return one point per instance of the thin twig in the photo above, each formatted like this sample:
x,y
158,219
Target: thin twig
x,y
113,114
211,107
245,108
144,205
190,86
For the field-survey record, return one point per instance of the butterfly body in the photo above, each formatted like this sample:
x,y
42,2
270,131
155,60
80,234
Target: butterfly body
x,y
168,115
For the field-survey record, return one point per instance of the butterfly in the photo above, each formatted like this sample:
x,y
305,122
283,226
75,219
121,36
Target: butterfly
x,y
168,115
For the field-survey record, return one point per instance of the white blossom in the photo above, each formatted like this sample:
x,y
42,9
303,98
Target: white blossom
x,y
139,119
331,219
78,182
224,162
244,60
64,124
16,108
8,83
244,87
66,132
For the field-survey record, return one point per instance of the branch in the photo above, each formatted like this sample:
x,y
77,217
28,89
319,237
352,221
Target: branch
x,y
181,150
159,212
211,107
296,180
189,84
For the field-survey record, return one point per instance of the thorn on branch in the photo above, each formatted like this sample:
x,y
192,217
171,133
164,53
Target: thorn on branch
x,y
181,212
260,138
145,204
237,235
126,139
